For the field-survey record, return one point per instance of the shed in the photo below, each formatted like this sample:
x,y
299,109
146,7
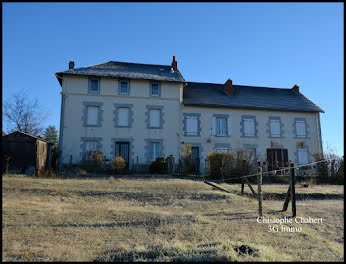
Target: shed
x,y
26,152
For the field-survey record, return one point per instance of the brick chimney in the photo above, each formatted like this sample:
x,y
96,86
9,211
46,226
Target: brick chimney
x,y
295,89
174,64
71,65
228,87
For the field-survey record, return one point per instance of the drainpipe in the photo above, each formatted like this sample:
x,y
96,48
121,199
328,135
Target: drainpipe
x,y
61,131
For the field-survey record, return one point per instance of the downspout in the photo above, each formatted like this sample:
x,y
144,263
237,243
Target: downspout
x,y
61,129
319,126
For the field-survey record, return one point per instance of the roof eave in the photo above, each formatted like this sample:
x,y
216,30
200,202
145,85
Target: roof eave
x,y
60,74
252,107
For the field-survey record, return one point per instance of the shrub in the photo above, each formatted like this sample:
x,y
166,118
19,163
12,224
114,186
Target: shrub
x,y
231,164
92,160
330,171
45,173
158,166
184,158
119,164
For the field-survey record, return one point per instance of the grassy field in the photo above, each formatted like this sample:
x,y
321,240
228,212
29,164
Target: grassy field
x,y
159,219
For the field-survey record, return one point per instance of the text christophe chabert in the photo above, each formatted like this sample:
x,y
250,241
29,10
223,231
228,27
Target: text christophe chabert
x,y
282,224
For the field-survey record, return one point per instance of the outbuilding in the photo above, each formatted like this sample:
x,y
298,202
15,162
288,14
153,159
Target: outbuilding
x,y
26,152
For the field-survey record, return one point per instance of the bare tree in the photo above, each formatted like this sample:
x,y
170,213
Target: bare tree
x,y
24,114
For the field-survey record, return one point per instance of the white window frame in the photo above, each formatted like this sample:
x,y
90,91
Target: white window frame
x,y
191,133
218,119
128,117
98,85
154,154
97,115
222,149
298,156
246,120
305,132
120,87
159,118
158,89
271,130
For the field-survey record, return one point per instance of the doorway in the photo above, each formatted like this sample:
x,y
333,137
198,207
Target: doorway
x,y
122,149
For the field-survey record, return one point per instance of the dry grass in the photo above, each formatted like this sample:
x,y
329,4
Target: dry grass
x,y
124,219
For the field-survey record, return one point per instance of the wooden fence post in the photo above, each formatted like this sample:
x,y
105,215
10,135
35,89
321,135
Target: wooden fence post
x,y
293,180
242,179
260,191
289,191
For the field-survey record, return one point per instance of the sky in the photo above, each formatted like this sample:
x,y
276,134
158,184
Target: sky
x,y
260,44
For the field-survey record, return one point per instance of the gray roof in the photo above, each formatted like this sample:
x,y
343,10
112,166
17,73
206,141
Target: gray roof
x,y
212,94
26,134
128,70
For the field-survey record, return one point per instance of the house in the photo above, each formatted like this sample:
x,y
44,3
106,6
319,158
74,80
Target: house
x,y
26,152
144,111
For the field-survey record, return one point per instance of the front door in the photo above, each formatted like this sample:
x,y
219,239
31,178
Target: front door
x,y
122,149
277,158
195,159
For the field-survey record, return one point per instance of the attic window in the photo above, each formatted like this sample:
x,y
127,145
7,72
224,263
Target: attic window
x,y
155,89
94,86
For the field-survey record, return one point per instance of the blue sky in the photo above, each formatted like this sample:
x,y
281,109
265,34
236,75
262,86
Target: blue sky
x,y
260,44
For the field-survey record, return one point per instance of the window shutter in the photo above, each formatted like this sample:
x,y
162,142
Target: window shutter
x,y
92,115
123,116
300,128
191,125
157,150
229,128
155,118
285,157
249,127
213,126
275,128
151,154
303,156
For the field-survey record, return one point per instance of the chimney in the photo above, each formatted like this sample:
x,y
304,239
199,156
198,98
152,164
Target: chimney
x,y
295,89
71,65
174,64
228,87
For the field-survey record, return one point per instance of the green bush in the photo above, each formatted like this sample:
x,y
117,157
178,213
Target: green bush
x,y
158,166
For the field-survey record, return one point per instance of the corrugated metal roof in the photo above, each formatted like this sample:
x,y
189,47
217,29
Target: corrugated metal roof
x,y
253,97
127,70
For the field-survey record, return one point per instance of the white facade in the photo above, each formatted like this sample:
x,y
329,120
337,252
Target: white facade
x,y
234,125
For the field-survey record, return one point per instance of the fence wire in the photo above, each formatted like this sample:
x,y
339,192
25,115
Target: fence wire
x,y
275,171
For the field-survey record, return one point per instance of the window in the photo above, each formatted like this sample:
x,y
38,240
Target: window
x,y
90,145
191,125
249,127
222,149
221,126
92,115
154,117
123,116
155,89
154,150
252,153
300,128
124,87
303,156
275,129
94,86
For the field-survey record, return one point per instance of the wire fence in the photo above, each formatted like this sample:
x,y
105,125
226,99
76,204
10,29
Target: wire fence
x,y
274,171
